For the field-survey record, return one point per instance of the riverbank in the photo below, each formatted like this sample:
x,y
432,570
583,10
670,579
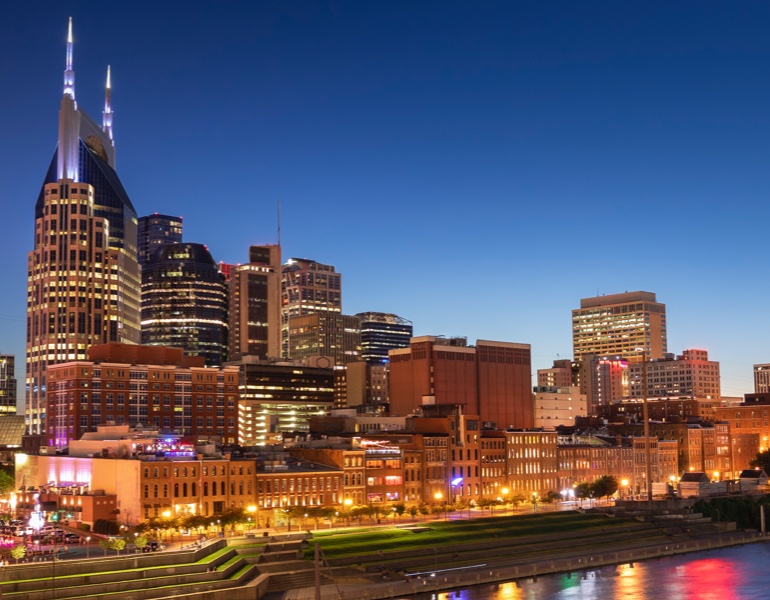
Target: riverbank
x,y
562,558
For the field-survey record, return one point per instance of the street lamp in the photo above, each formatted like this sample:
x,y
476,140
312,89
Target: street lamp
x,y
453,497
438,496
253,509
504,492
624,487
534,502
88,546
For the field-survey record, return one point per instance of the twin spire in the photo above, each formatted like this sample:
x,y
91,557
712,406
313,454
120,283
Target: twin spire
x,y
69,86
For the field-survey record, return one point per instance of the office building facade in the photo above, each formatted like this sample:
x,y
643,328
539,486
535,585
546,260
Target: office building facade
x,y
185,301
381,332
277,398
307,287
255,305
154,231
689,375
141,385
7,384
325,334
631,325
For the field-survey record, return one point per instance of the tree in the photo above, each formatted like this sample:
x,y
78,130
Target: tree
x,y
583,490
761,461
400,509
551,497
105,544
413,511
140,542
117,544
7,483
18,551
606,485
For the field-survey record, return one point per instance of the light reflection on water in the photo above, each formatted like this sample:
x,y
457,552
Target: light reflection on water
x,y
727,574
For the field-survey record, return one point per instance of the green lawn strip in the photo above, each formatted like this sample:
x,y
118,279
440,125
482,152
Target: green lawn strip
x,y
394,539
203,561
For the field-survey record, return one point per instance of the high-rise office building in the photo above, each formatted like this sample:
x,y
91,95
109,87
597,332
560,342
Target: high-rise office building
x,y
631,325
184,302
83,276
307,287
154,231
762,378
381,332
255,304
7,384
492,379
325,334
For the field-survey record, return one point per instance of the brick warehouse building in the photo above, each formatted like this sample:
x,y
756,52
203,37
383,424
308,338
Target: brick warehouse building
x,y
491,380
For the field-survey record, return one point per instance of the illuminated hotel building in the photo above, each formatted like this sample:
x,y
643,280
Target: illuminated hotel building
x,y
307,287
129,384
155,231
255,305
631,325
184,302
7,384
82,276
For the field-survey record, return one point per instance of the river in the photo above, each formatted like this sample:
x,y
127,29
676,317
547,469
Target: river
x,y
736,573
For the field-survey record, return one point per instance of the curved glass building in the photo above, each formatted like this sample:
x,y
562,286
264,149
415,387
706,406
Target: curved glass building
x,y
184,302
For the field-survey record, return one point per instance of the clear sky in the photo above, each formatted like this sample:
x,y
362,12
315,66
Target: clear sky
x,y
475,167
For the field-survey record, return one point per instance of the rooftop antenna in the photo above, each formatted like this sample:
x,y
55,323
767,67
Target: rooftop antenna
x,y
279,221
69,73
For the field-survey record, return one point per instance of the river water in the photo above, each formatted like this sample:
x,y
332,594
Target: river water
x,y
737,573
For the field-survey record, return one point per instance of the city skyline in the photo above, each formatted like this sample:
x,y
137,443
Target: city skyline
x,y
497,164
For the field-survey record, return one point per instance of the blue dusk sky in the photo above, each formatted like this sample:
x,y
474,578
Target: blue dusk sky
x,y
475,167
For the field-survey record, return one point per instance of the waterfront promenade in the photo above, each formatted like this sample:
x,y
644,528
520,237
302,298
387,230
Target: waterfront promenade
x,y
563,561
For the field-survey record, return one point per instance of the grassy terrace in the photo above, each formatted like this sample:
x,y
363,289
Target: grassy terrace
x,y
455,535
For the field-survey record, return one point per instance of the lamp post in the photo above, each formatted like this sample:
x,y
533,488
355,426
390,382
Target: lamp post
x,y
347,503
455,482
623,487
534,502
438,496
504,492
88,546
253,511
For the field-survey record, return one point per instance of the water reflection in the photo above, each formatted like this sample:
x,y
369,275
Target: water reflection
x,y
732,573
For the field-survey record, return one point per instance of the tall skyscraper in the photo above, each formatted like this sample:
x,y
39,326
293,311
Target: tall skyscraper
x,y
155,231
7,384
381,332
631,325
307,287
83,276
255,304
184,302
